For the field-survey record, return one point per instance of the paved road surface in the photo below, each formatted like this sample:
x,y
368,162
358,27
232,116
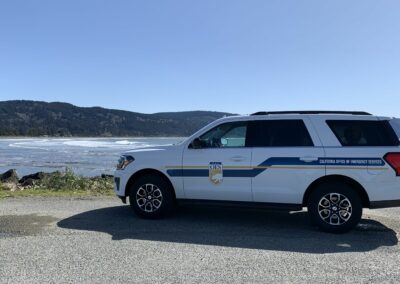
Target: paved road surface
x,y
99,240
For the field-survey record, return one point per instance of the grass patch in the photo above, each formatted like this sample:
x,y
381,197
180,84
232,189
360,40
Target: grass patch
x,y
62,184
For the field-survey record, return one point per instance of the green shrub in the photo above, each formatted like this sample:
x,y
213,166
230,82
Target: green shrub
x,y
69,181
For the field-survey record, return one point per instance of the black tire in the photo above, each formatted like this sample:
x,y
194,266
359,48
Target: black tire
x,y
143,195
331,216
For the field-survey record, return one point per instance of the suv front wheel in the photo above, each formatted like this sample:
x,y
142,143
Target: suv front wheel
x,y
335,207
151,197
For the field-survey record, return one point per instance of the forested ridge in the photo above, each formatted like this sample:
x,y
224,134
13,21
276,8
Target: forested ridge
x,y
35,118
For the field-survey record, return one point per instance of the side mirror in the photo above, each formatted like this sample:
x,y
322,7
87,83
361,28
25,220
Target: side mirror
x,y
196,143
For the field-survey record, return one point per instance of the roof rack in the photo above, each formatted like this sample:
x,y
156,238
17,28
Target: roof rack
x,y
312,112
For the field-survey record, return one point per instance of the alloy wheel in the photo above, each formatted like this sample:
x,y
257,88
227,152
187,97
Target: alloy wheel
x,y
149,197
335,208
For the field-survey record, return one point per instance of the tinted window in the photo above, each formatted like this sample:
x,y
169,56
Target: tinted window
x,y
395,123
231,134
363,132
278,133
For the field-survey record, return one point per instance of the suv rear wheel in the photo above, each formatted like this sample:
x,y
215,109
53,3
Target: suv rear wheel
x,y
151,197
335,207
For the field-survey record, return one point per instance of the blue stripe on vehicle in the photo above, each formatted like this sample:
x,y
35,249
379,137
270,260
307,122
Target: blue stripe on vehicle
x,y
205,172
280,161
188,173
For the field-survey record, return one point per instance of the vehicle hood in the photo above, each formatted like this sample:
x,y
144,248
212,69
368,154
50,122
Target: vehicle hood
x,y
152,149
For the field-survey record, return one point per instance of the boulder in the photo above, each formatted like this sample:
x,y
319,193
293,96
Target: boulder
x,y
35,176
30,179
28,182
106,176
9,176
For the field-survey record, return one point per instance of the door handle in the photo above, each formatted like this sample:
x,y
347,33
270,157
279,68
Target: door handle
x,y
309,159
238,158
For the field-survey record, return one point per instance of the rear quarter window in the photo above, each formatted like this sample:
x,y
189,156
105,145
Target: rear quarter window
x,y
364,132
395,123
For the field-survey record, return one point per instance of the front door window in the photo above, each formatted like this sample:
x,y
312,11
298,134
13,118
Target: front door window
x,y
232,134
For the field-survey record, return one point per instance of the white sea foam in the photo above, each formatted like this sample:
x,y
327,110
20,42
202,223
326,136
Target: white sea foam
x,y
87,143
126,142
106,144
45,144
31,144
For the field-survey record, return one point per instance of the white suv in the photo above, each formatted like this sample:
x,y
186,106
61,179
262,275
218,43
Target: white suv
x,y
333,163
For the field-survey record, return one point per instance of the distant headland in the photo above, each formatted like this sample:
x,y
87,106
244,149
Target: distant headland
x,y
36,118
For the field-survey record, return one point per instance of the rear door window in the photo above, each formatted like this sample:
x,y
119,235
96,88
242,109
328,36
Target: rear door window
x,y
278,133
364,132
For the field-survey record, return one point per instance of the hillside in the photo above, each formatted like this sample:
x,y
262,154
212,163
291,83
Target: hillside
x,y
34,118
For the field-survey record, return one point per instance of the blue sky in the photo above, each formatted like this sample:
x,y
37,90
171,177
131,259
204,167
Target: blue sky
x,y
234,56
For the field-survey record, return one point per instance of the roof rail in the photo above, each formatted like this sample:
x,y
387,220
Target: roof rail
x,y
312,112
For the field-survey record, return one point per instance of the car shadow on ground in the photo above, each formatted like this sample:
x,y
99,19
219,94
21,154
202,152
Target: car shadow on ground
x,y
232,227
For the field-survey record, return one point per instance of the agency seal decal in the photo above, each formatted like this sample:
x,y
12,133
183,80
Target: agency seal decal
x,y
216,173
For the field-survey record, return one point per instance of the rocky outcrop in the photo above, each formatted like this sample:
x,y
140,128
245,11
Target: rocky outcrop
x,y
35,176
30,180
9,176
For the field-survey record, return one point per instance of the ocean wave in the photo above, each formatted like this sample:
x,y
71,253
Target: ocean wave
x,y
106,144
126,142
30,144
63,144
87,143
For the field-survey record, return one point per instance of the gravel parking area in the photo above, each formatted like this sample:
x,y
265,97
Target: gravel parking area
x,y
99,240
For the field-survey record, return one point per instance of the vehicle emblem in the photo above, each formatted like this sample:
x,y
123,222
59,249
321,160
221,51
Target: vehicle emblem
x,y
216,172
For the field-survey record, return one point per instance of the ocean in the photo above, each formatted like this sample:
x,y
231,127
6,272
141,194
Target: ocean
x,y
84,156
